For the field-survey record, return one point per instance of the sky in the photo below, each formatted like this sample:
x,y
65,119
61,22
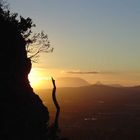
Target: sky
x,y
97,36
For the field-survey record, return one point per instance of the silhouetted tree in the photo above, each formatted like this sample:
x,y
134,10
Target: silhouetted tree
x,y
35,43
23,114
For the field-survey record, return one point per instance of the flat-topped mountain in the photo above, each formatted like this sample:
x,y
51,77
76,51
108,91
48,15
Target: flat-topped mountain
x,y
71,82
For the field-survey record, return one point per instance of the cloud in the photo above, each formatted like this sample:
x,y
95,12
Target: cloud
x,y
90,72
83,72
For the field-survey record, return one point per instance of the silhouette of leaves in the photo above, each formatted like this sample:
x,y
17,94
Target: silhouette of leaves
x,y
36,43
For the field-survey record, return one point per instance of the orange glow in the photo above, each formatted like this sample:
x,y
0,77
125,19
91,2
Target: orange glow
x,y
40,78
36,78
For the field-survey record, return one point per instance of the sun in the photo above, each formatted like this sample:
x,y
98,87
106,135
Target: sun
x,y
34,78
37,78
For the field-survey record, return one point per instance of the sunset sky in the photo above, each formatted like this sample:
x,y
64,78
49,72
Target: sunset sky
x,y
97,36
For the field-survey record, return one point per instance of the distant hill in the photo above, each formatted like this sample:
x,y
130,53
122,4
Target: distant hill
x,y
97,111
111,85
116,85
71,82
96,93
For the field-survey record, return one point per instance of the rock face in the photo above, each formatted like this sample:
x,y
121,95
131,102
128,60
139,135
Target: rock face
x,y
23,115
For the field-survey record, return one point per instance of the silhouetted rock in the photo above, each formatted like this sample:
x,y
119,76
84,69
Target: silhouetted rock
x,y
23,115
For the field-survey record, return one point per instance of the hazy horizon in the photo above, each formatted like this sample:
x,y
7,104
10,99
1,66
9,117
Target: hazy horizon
x,y
71,82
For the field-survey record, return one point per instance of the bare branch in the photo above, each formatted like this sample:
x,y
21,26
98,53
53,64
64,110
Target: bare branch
x,y
37,44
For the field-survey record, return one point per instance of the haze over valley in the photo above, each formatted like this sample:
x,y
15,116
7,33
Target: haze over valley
x,y
96,111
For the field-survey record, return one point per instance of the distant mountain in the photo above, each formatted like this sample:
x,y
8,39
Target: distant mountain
x,y
111,85
137,88
96,91
98,83
71,82
98,111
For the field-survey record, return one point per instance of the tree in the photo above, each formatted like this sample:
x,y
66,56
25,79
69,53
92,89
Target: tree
x,y
35,43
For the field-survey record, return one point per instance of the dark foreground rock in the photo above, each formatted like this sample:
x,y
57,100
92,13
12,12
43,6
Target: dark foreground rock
x,y
23,115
